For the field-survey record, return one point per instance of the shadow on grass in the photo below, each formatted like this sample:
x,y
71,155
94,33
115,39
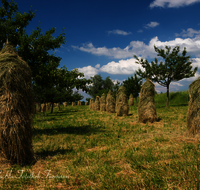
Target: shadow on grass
x,y
58,129
46,153
171,105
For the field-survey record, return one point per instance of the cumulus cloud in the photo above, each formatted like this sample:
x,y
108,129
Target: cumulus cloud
x,y
88,71
151,25
123,67
139,48
172,3
188,33
120,32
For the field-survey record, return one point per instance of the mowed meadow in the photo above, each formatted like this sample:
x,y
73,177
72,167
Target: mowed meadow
x,y
78,148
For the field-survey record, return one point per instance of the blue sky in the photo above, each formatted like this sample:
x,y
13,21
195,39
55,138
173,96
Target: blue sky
x,y
102,36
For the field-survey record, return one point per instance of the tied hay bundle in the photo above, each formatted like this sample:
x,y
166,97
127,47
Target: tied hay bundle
x,y
90,104
44,109
103,102
92,101
193,115
48,106
131,100
110,103
97,104
146,107
122,103
42,106
17,108
39,107
85,103
73,103
79,103
65,104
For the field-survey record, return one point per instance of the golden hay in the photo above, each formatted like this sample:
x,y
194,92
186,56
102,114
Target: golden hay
x,y
73,104
17,108
39,107
97,104
48,106
103,102
122,103
85,103
110,103
65,104
44,109
193,115
90,104
146,107
131,100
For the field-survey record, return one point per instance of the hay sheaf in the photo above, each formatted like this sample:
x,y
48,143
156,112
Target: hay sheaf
x,y
48,106
193,115
122,103
90,104
39,107
131,100
73,104
17,108
85,103
65,104
110,103
103,102
97,103
146,107
93,105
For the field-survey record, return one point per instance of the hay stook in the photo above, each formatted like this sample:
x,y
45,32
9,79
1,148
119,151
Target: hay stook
x,y
146,107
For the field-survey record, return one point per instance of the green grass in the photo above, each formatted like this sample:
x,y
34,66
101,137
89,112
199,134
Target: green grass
x,y
85,149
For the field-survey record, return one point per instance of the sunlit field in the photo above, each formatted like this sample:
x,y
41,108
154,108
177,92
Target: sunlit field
x,y
78,148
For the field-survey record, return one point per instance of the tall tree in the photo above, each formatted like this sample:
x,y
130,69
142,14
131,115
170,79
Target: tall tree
x,y
101,86
133,86
34,48
59,89
176,67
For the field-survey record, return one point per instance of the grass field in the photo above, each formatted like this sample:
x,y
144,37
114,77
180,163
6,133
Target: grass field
x,y
78,148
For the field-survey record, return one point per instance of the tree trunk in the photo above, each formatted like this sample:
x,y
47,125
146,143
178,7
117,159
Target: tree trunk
x,y
167,103
52,107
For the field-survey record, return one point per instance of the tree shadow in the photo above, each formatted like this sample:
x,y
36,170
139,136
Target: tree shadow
x,y
49,153
59,129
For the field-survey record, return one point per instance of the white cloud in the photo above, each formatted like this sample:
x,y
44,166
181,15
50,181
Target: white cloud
x,y
123,67
120,32
152,25
139,48
189,33
97,66
88,71
172,3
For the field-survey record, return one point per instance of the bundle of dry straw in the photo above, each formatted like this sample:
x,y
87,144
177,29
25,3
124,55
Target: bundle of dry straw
x,y
103,102
65,104
17,107
73,103
131,100
85,103
97,104
121,102
93,104
90,104
146,107
110,102
193,115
